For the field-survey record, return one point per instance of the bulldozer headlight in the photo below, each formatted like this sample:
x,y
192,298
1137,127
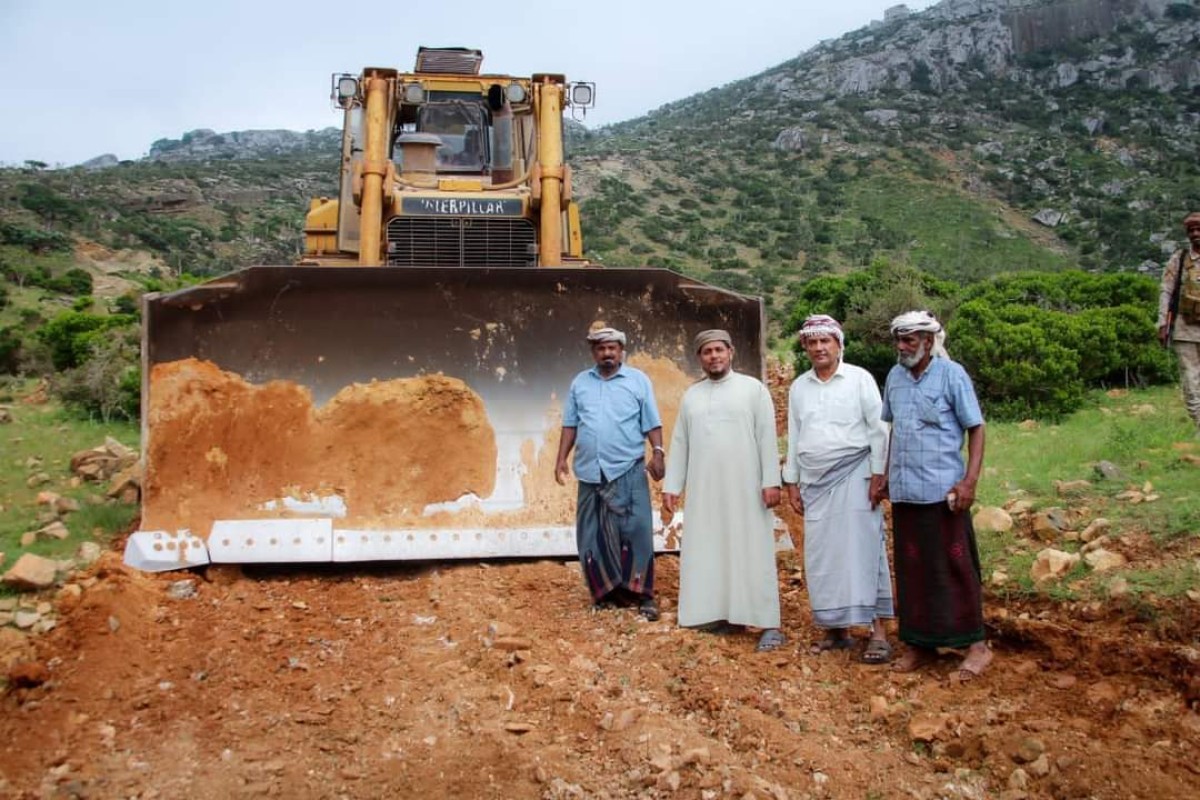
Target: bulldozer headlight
x,y
583,95
515,93
345,90
414,93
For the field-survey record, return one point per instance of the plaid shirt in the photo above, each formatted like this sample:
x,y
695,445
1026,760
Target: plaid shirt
x,y
928,415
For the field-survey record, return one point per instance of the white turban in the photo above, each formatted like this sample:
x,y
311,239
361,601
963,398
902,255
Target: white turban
x,y
606,335
922,322
822,325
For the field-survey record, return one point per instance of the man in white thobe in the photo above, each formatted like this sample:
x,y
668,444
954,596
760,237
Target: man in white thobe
x,y
837,451
724,456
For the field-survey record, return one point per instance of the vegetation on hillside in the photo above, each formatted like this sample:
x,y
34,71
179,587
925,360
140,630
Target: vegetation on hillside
x,y
779,185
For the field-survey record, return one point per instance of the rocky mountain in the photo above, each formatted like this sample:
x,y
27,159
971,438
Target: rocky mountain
x,y
976,136
205,145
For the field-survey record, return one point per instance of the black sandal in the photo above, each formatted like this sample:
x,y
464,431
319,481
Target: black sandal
x,y
649,609
879,651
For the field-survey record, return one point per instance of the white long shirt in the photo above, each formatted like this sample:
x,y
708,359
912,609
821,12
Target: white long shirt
x,y
826,419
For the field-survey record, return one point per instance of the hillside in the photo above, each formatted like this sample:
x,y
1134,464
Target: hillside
x,y
976,137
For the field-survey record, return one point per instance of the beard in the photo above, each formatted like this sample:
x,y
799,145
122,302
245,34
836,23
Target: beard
x,y
913,359
717,373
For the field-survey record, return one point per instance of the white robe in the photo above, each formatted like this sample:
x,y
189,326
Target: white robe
x,y
723,454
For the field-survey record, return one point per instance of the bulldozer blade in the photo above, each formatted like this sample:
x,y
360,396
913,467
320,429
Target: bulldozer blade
x,y
284,337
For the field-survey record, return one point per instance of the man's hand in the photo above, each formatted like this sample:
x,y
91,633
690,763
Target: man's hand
x,y
670,502
770,496
1164,334
657,466
561,472
877,490
964,495
793,497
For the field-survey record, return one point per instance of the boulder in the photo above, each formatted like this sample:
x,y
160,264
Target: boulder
x,y
1102,560
1096,528
1051,563
32,572
927,727
55,530
1068,488
1042,528
992,520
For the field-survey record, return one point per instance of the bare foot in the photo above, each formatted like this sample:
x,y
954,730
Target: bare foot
x,y
913,659
979,655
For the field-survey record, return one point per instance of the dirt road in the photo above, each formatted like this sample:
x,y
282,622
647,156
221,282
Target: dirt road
x,y
496,680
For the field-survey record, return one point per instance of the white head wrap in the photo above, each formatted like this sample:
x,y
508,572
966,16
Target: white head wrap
x,y
822,325
606,335
922,322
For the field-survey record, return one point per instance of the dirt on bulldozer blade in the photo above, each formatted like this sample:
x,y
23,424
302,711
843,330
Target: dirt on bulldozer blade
x,y
496,679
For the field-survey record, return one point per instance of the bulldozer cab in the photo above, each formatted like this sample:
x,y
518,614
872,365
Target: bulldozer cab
x,y
398,394
460,125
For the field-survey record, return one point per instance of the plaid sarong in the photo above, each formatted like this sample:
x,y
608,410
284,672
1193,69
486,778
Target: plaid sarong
x,y
938,591
615,535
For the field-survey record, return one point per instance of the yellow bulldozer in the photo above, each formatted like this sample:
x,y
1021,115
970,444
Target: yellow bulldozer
x,y
397,394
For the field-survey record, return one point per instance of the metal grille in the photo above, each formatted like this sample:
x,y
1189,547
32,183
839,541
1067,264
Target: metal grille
x,y
449,60
460,242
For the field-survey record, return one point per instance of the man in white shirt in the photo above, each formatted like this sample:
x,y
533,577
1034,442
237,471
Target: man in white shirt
x,y
837,453
724,453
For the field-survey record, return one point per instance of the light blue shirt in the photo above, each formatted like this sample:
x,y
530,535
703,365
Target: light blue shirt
x,y
928,415
611,419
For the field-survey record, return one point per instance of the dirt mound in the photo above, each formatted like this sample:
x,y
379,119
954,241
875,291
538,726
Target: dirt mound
x,y
222,447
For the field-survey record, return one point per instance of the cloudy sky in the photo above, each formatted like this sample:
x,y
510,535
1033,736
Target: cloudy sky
x,y
111,77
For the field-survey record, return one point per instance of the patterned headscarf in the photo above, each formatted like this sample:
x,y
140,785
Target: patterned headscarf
x,y
606,335
922,322
822,325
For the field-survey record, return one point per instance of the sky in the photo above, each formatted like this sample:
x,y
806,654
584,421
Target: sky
x,y
115,76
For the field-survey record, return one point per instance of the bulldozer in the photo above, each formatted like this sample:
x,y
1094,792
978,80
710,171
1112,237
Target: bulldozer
x,y
397,393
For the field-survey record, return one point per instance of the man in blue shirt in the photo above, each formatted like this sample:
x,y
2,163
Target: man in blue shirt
x,y
608,416
930,402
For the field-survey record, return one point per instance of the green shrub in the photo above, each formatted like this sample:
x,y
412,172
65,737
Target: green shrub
x,y
10,350
71,335
75,281
107,385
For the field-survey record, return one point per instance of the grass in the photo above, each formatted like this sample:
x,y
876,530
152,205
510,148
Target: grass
x,y
1145,434
42,438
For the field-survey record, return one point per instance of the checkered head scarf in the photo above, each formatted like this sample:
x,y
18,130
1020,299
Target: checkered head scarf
x,y
922,322
823,325
606,335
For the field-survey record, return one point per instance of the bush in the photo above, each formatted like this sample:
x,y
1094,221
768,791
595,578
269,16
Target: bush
x,y
1181,11
108,384
1018,369
10,350
71,335
1034,343
75,281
